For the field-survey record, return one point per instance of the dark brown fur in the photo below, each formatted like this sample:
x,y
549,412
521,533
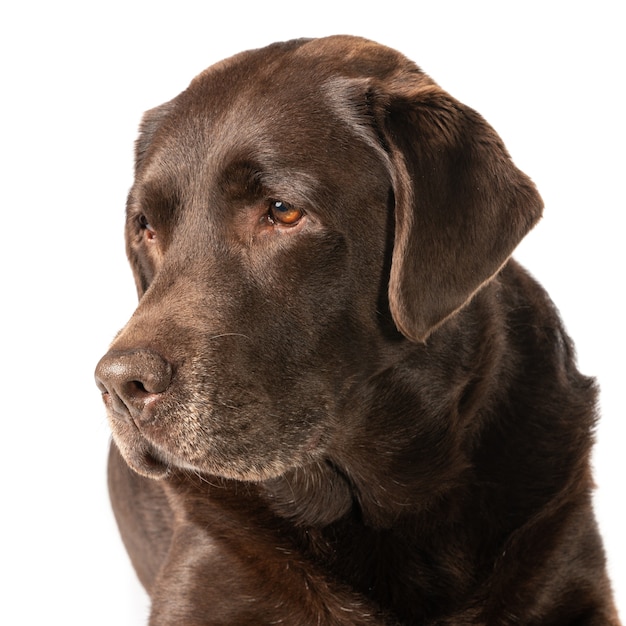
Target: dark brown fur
x,y
372,416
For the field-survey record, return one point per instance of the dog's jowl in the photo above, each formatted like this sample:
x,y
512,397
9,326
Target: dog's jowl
x,y
339,401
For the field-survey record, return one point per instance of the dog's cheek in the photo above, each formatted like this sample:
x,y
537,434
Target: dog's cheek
x,y
308,324
309,282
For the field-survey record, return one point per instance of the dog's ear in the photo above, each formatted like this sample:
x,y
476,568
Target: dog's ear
x,y
461,205
151,121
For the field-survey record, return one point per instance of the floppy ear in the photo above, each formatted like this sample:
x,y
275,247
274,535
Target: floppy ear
x,y
151,121
461,206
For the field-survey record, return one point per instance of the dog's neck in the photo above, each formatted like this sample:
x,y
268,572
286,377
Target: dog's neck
x,y
443,416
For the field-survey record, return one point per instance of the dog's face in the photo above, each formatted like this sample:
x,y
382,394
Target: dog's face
x,y
299,214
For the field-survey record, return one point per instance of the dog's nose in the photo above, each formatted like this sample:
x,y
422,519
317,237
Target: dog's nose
x,y
131,381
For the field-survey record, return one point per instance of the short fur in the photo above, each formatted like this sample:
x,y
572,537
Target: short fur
x,y
368,416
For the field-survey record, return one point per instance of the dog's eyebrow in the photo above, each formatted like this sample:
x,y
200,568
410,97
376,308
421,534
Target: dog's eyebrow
x,y
159,199
240,179
294,185
243,179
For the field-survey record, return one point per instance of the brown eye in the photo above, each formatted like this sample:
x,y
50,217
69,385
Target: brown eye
x,y
148,231
283,213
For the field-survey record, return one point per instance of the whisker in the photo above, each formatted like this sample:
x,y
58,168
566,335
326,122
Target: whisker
x,y
230,335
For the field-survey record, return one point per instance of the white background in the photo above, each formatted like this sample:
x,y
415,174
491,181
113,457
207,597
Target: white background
x,y
75,79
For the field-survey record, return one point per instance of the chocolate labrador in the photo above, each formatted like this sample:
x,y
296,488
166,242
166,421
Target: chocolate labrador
x,y
339,401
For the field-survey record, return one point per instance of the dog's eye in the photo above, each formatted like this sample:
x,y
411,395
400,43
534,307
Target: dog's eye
x,y
283,213
148,231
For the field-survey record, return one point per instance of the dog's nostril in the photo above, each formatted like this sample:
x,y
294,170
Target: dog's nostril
x,y
139,385
131,380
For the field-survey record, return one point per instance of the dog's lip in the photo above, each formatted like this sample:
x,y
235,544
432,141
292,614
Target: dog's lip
x,y
149,463
140,454
114,411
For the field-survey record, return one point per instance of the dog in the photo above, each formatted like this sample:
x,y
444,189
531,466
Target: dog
x,y
340,401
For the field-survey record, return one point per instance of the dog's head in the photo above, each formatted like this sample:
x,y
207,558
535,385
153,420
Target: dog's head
x,y
299,214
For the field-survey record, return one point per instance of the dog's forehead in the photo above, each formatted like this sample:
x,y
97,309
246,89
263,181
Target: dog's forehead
x,y
314,59
288,88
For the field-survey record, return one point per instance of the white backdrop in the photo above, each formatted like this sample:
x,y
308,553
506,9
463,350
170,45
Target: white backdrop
x,y
76,77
